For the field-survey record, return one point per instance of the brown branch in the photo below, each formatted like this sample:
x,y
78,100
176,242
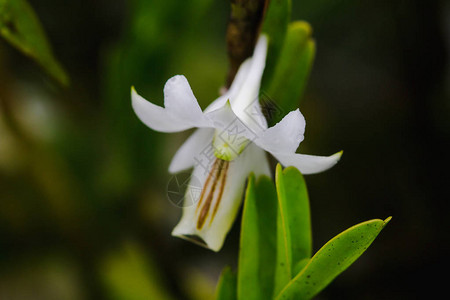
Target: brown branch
x,y
243,28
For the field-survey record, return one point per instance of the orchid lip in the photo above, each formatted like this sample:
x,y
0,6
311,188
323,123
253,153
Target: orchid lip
x,y
212,192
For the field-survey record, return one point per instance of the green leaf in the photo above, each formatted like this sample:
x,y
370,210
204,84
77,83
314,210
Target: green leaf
x,y
332,259
292,71
258,240
20,26
294,225
226,288
275,26
300,265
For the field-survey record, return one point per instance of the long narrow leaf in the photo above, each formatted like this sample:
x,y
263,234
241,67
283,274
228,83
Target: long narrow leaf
x,y
293,68
294,225
275,25
332,259
258,244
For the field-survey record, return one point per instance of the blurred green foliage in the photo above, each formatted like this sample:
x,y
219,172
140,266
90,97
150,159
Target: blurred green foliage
x,y
20,26
80,175
129,274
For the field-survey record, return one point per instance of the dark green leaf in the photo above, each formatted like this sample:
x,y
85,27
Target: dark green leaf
x,y
275,26
293,68
258,244
226,288
332,259
294,225
20,26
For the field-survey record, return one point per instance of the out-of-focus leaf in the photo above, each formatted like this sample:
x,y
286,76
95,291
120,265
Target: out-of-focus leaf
x,y
129,274
293,67
275,25
226,288
20,26
197,285
332,259
258,240
294,225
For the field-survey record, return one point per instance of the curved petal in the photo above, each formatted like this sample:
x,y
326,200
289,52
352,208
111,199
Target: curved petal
x,y
192,148
181,110
285,136
245,100
154,116
181,103
211,207
308,164
250,88
235,87
244,91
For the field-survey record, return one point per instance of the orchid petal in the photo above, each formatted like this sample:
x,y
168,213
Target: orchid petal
x,y
250,88
186,156
234,89
245,98
285,136
225,202
244,91
181,102
181,110
155,116
308,164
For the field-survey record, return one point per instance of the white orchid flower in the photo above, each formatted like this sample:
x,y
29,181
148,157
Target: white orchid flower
x,y
229,144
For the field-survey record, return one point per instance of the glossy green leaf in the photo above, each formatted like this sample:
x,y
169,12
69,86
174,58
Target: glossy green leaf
x,y
226,288
300,265
294,241
258,240
292,71
332,259
20,26
275,26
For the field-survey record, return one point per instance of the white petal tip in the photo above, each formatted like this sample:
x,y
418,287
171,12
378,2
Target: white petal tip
x,y
135,97
263,38
196,239
174,79
172,170
309,164
134,94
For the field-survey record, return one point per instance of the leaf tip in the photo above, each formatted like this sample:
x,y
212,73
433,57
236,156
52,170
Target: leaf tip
x,y
278,168
302,25
387,220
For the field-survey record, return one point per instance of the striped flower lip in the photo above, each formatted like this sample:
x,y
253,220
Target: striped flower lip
x,y
229,144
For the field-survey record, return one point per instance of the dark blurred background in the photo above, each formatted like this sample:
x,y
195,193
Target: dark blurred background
x,y
83,206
